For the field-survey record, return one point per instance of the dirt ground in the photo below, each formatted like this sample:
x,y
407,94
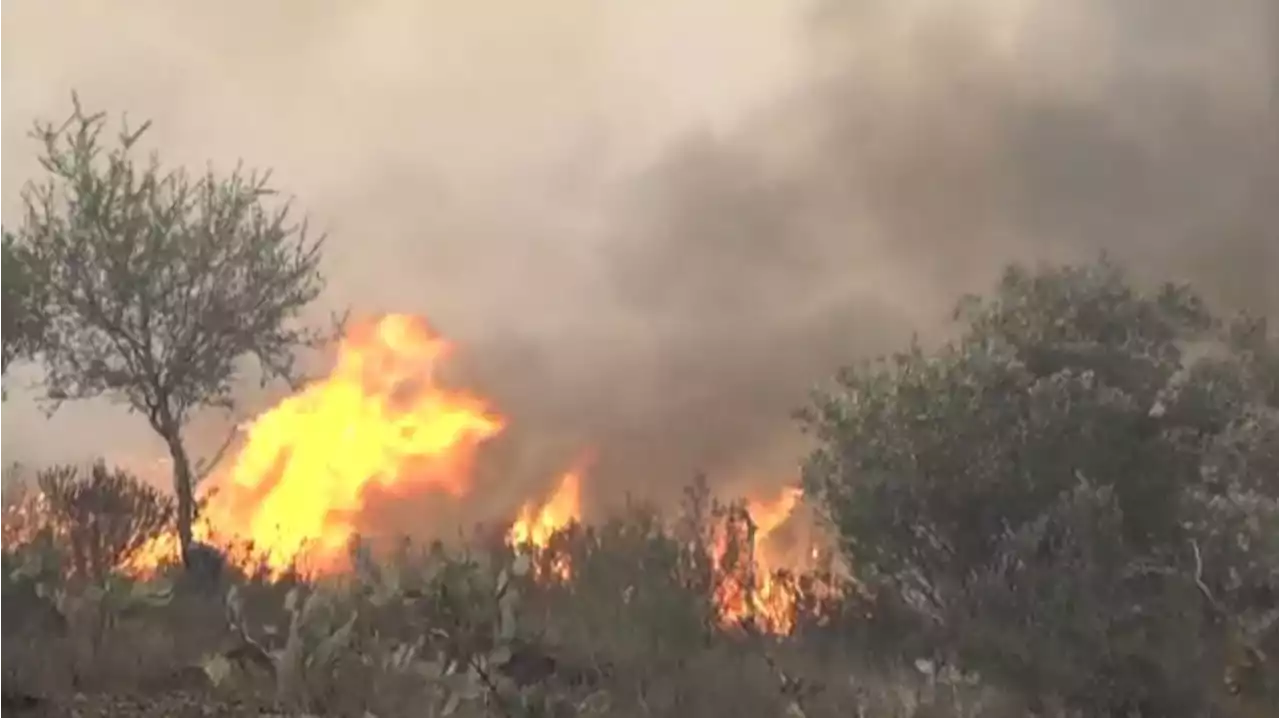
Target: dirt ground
x,y
172,704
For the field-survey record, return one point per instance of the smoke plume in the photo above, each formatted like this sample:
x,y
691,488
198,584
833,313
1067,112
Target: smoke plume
x,y
651,229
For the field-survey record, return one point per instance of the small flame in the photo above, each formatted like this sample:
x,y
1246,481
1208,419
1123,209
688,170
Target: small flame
x,y
535,525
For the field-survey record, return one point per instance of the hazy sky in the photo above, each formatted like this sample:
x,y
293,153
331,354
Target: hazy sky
x,y
652,226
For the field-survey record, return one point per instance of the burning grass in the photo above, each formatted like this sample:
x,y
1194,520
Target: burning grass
x,y
639,626
299,489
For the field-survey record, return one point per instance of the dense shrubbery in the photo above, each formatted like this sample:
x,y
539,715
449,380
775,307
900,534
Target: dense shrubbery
x,y
1077,498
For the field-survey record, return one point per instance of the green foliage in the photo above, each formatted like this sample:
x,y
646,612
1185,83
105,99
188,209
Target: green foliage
x,y
457,632
634,581
156,284
1034,496
89,608
497,631
159,282
318,635
23,317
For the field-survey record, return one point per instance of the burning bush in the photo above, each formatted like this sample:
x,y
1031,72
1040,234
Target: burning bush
x,y
577,619
585,618
102,518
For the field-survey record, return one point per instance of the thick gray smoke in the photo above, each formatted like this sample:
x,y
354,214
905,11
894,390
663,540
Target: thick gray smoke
x,y
854,167
928,147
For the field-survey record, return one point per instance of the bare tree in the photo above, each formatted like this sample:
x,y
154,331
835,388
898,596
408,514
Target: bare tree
x,y
156,284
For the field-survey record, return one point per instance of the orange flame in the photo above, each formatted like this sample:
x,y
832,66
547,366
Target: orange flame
x,y
377,422
24,516
535,525
749,590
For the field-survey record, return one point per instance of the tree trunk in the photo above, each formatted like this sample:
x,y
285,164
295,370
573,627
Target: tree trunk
x,y
183,489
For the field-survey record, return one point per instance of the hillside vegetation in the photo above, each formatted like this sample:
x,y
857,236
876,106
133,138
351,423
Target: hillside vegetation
x,y
1067,510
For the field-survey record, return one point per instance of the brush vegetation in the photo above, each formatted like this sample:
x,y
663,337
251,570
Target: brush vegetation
x,y
1067,510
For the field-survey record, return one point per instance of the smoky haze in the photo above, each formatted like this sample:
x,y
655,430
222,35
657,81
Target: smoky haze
x,y
652,227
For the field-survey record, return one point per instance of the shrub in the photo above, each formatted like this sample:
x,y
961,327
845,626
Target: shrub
x,y
1076,497
102,518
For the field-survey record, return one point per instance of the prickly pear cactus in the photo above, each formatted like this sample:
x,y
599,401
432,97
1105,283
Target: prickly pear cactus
x,y
320,631
476,652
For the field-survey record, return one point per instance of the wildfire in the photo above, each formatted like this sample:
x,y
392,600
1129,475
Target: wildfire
x,y
749,588
377,422
536,524
24,516
296,493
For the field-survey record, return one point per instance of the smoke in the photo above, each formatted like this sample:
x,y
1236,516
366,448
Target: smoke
x,y
929,144
652,229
